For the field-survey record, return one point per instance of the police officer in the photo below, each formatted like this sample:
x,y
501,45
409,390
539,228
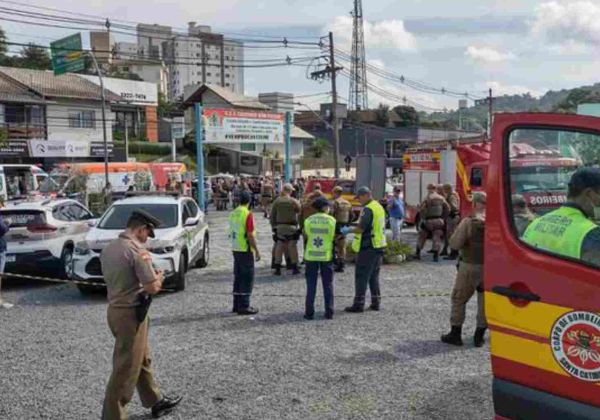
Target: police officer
x,y
267,192
572,230
522,216
434,209
341,213
130,281
284,222
369,242
468,239
242,235
320,233
452,221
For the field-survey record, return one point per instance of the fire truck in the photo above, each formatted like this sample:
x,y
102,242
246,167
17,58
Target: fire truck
x,y
464,165
543,308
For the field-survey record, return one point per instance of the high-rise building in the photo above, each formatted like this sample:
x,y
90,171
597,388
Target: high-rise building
x,y
125,51
151,38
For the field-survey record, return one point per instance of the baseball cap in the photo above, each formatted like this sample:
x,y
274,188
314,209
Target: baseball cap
x,y
245,197
338,189
146,219
479,197
431,186
363,191
585,178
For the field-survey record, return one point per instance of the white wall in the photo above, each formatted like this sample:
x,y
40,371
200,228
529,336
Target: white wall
x,y
58,122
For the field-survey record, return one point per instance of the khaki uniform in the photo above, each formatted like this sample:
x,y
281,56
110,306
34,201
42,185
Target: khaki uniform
x,y
341,213
284,221
434,210
522,220
126,267
267,192
469,240
453,216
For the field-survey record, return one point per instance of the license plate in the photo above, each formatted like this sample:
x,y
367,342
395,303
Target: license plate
x,y
11,258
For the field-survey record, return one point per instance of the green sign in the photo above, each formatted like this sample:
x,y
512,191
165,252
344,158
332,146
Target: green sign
x,y
67,55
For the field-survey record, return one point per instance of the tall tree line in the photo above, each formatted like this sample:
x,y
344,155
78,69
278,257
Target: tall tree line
x,y
31,56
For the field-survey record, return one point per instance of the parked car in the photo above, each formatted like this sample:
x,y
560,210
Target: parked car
x,y
43,234
181,242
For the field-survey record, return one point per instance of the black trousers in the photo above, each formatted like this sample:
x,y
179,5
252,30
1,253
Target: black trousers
x,y
243,279
312,278
368,263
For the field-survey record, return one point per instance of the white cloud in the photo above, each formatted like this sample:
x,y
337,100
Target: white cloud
x,y
500,89
574,21
488,55
384,34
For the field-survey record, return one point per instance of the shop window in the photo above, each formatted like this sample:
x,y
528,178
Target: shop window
x,y
82,119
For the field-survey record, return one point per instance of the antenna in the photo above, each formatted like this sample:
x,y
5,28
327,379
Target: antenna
x,y
358,97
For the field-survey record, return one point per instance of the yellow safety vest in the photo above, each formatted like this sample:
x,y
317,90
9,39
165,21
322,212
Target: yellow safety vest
x,y
377,230
561,232
320,233
237,229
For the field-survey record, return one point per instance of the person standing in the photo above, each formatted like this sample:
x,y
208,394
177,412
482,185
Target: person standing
x,y
522,216
468,239
341,213
131,280
3,231
267,193
452,221
434,209
369,242
320,233
243,244
395,207
284,222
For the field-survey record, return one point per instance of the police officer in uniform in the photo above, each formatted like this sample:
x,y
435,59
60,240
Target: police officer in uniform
x,y
242,235
267,192
130,281
434,210
453,200
369,242
572,230
469,240
522,216
284,222
341,213
320,233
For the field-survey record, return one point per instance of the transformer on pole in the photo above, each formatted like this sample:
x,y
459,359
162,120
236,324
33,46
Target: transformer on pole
x,y
358,97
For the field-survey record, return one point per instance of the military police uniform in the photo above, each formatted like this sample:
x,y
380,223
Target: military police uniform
x,y
369,246
320,233
284,221
341,213
127,267
453,219
434,210
266,197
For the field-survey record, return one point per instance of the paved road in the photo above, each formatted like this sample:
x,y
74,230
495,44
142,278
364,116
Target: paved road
x,y
55,350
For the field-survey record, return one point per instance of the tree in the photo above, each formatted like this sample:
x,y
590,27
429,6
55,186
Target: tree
x,y
319,147
3,46
33,57
165,108
409,116
576,97
382,115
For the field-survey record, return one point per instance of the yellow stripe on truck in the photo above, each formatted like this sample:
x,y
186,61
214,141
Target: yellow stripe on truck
x,y
462,174
536,318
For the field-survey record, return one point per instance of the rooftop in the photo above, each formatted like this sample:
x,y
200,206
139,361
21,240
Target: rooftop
x,y
232,98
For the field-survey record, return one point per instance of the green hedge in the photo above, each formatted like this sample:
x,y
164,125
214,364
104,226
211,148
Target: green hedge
x,y
143,147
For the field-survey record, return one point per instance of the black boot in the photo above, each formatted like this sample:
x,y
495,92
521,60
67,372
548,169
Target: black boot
x,y
277,271
444,251
436,256
453,337
295,269
418,254
453,255
338,266
479,337
165,406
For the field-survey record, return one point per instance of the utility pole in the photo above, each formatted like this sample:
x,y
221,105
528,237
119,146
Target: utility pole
x,y
103,97
490,114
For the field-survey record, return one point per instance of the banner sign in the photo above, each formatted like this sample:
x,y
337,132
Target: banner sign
x,y
45,148
234,126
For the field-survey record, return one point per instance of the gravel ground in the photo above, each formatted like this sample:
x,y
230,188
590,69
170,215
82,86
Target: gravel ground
x,y
56,349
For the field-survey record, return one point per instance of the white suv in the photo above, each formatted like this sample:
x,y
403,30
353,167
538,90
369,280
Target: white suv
x,y
181,241
43,234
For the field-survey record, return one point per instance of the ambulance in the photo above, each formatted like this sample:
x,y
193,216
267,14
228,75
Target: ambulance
x,y
543,309
464,165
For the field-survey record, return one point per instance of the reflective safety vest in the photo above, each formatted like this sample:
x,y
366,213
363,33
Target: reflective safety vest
x,y
237,229
561,232
377,230
320,232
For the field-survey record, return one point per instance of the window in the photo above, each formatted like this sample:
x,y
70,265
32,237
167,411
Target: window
x,y
82,119
227,84
541,163
208,74
116,217
192,208
227,75
476,177
248,147
185,213
394,149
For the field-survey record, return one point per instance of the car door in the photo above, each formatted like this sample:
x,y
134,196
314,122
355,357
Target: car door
x,y
542,308
193,233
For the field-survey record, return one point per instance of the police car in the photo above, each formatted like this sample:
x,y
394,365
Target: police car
x,y
181,242
43,234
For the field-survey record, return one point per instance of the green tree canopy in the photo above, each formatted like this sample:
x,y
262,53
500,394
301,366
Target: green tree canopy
x,y
408,115
33,57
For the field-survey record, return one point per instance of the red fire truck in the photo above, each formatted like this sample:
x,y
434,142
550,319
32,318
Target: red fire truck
x,y
542,308
464,165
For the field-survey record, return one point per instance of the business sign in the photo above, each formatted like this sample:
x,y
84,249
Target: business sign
x,y
67,55
234,126
13,148
178,128
45,148
133,91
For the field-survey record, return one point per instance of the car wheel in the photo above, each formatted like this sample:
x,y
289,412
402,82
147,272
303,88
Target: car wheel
x,y
66,263
180,275
203,260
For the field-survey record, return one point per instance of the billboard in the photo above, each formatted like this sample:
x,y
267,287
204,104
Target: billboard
x,y
234,126
67,56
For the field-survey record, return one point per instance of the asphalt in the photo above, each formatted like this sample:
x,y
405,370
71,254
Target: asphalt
x,y
56,349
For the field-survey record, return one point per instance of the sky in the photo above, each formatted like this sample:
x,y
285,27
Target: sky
x,y
463,45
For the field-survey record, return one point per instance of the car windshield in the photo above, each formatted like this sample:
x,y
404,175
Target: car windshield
x,y
541,178
53,183
117,216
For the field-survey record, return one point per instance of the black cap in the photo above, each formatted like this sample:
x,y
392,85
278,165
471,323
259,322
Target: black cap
x,y
363,191
145,218
320,203
585,178
244,197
